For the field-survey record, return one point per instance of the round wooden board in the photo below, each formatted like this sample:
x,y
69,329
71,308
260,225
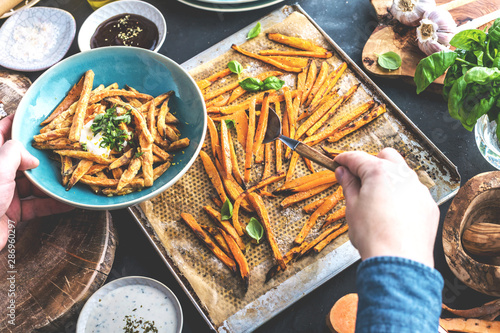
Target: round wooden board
x,y
477,201
59,262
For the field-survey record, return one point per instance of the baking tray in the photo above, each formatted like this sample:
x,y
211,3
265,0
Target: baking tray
x,y
174,242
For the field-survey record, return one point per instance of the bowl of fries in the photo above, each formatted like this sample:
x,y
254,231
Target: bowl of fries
x,y
111,127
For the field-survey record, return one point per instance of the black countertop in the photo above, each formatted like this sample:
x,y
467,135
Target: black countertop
x,y
349,23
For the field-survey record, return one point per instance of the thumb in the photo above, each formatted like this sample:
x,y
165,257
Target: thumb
x,y
350,183
28,161
15,157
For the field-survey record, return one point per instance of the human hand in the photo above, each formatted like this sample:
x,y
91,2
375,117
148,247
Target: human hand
x,y
389,212
14,186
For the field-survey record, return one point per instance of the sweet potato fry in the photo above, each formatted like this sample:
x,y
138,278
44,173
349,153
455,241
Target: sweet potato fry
x,y
110,192
160,122
61,119
191,222
123,160
226,225
290,112
289,256
291,167
213,94
249,141
179,144
218,101
217,202
234,162
245,105
117,92
311,54
329,179
326,206
96,169
67,166
318,239
81,107
157,151
300,196
332,152
238,257
260,132
82,167
469,325
160,170
213,174
267,163
309,208
290,61
318,114
84,155
239,91
52,135
203,84
129,174
259,206
328,84
334,217
214,138
141,124
296,42
278,143
320,79
146,161
72,97
225,157
106,182
312,72
289,185
233,190
157,101
356,124
308,164
321,245
117,173
219,239
266,60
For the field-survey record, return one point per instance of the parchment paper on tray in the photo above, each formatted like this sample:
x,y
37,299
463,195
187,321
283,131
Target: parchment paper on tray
x,y
218,293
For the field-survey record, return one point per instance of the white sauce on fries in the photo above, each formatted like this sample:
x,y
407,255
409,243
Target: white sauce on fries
x,y
93,141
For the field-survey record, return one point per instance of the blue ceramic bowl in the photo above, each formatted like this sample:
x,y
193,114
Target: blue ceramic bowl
x,y
147,71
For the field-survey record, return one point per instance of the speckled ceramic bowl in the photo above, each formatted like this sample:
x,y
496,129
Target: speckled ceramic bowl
x,y
121,7
36,38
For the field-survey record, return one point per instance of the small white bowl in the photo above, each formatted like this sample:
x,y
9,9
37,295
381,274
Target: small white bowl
x,y
36,38
121,7
136,297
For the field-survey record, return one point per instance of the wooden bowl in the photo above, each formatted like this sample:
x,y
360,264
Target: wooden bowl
x,y
477,201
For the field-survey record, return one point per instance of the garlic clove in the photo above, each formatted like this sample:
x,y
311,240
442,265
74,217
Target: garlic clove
x,y
443,19
436,29
410,12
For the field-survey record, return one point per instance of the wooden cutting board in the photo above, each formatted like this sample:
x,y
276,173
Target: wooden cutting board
x,y
390,35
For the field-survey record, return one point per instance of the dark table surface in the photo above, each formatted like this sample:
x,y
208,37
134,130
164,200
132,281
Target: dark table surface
x,y
349,23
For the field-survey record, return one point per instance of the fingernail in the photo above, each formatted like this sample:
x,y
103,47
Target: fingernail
x,y
339,173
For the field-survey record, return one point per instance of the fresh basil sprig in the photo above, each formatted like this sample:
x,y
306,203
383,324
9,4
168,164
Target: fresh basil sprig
x,y
108,125
254,32
253,84
472,83
235,67
389,60
226,211
254,229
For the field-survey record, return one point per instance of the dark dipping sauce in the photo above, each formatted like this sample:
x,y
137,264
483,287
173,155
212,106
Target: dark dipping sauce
x,y
127,30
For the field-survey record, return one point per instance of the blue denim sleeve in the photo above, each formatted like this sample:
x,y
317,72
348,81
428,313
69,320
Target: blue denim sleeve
x,y
398,295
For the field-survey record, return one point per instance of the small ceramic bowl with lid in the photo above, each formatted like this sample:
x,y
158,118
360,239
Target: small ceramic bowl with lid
x,y
124,23
133,302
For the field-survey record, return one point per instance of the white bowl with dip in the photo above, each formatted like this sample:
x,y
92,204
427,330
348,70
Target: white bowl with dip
x,y
143,10
131,301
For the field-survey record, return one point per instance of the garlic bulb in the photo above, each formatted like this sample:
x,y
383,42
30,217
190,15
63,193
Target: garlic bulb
x,y
436,30
409,12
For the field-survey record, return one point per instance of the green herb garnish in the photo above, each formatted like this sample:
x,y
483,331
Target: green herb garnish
x,y
235,67
108,125
84,146
389,60
254,229
139,154
253,84
254,32
226,211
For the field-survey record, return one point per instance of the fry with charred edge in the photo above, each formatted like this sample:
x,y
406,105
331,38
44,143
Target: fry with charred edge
x,y
240,119
301,83
312,72
308,164
260,132
334,217
245,105
218,238
373,114
321,245
146,161
84,155
110,192
72,97
266,181
212,94
362,109
296,42
290,61
234,162
218,101
179,144
61,118
329,179
331,103
191,222
116,92
332,94
157,101
332,152
238,92
318,239
82,167
311,54
237,224
129,174
266,60
238,257
250,138
267,163
160,170
216,201
226,225
233,190
106,182
308,209
328,84
469,325
259,206
67,169
123,160
300,196
322,75
291,166
52,135
202,84
160,153
213,175
290,112
96,168
225,157
117,173
141,125
289,256
288,186
325,207
81,107
160,122
214,138
279,144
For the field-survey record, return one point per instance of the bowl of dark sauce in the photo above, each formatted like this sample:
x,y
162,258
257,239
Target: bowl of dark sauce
x,y
124,23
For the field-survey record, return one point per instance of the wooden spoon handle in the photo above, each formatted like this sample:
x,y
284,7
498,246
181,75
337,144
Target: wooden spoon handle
x,y
316,156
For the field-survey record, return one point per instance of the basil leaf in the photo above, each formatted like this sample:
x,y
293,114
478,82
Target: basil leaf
x,y
496,62
432,67
254,229
226,211
389,60
235,67
251,84
229,123
273,82
494,32
254,32
469,40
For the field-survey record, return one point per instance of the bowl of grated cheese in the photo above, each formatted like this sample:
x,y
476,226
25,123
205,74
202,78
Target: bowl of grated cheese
x,y
36,38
